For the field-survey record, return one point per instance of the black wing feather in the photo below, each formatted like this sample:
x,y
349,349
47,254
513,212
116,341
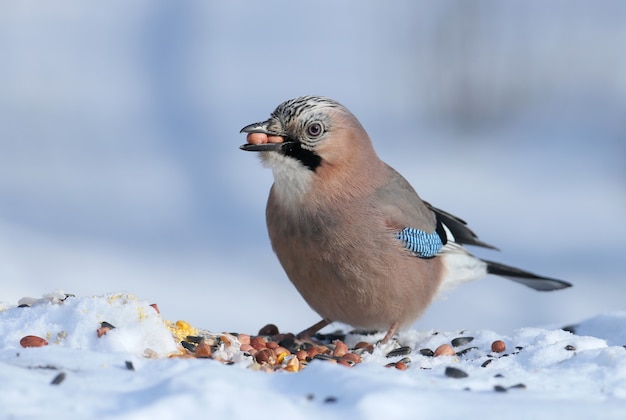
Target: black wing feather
x,y
534,281
462,234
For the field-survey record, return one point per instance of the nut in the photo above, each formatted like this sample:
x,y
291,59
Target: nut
x,y
323,349
102,331
33,341
203,350
275,139
246,347
265,356
444,350
243,338
352,357
313,351
345,362
257,138
302,355
367,347
401,366
340,348
498,346
258,343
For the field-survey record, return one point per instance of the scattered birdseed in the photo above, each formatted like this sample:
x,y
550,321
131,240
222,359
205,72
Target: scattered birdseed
x,y
498,346
58,379
464,351
444,350
270,350
401,366
323,357
289,343
269,329
461,341
400,351
33,341
188,346
457,373
570,328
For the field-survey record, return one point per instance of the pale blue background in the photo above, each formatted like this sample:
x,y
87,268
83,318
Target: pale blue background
x,y
120,167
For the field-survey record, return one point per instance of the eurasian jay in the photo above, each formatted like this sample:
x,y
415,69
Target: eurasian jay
x,y
351,233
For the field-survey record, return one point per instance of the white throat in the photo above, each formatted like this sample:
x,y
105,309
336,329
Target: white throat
x,y
292,179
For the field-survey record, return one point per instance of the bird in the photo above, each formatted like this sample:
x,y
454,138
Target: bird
x,y
353,236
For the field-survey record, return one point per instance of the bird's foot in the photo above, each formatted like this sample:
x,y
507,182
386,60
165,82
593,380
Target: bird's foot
x,y
390,333
307,334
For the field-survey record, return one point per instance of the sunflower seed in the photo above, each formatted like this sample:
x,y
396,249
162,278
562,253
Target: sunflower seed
x,y
453,372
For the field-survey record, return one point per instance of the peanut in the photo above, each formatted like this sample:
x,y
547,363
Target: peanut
x,y
33,341
444,350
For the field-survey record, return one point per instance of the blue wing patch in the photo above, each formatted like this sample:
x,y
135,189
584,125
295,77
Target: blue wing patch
x,y
425,245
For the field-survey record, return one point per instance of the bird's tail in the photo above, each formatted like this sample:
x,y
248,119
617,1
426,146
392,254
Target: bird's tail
x,y
543,284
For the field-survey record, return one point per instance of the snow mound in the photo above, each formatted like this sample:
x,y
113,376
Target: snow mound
x,y
72,322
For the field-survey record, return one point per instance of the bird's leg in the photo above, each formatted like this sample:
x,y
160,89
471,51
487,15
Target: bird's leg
x,y
392,330
306,334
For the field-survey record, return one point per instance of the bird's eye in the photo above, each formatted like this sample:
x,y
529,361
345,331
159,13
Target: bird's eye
x,y
315,129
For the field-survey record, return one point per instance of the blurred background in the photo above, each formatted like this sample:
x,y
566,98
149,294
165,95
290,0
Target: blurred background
x,y
120,167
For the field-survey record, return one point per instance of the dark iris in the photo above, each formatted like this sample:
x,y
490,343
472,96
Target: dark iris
x,y
315,129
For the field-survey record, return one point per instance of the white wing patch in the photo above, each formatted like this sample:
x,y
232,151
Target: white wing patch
x,y
461,267
449,235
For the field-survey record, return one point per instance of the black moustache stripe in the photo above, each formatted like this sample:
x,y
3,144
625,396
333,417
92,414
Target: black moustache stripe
x,y
308,158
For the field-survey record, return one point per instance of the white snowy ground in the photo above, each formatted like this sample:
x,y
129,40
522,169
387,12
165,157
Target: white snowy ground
x,y
555,374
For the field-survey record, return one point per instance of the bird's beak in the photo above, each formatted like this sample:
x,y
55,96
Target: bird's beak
x,y
264,147
260,128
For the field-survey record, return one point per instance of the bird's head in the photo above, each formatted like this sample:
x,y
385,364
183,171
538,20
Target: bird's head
x,y
310,130
314,145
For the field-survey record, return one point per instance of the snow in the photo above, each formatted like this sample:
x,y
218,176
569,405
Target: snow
x,y
130,373
120,170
